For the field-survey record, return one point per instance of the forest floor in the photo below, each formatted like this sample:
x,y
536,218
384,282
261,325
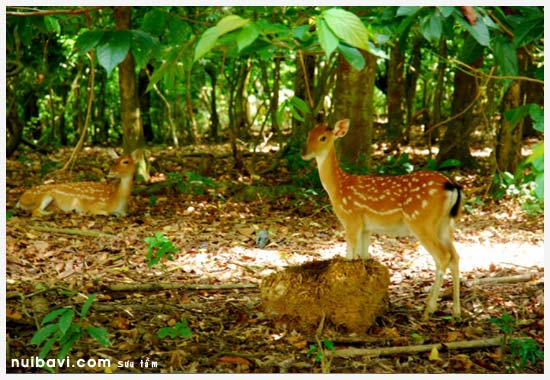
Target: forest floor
x,y
213,281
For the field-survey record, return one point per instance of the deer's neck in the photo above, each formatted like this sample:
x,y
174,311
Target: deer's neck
x,y
121,194
330,173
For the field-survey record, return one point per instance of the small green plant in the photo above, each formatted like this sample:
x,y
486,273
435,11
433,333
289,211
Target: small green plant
x,y
158,246
522,187
59,326
450,163
180,329
522,350
190,182
319,352
396,166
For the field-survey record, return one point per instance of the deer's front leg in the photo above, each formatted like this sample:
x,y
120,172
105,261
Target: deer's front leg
x,y
365,241
354,239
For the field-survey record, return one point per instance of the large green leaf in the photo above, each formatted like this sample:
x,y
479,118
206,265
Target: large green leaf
x,y
230,23
505,56
247,36
348,27
431,26
528,31
88,40
113,49
206,42
210,37
407,11
353,56
479,30
144,46
327,39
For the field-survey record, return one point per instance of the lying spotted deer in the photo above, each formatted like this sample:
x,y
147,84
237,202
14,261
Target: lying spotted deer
x,y
424,204
84,197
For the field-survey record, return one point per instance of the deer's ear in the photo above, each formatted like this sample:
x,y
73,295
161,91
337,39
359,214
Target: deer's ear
x,y
341,128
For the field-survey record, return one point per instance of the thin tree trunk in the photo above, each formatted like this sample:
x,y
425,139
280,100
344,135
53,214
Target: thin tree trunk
x,y
353,97
130,114
395,92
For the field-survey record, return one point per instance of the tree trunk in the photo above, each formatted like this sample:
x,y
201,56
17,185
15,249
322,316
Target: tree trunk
x,y
395,92
214,118
130,114
353,99
439,92
145,103
456,141
509,138
410,83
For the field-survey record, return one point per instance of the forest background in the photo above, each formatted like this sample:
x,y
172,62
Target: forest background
x,y
218,100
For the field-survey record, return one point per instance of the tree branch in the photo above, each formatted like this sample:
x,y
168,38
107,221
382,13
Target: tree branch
x,y
33,12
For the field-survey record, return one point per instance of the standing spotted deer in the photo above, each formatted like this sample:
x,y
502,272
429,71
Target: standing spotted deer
x,y
424,204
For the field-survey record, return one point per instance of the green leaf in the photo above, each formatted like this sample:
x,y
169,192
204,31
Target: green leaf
x,y
407,11
515,115
53,315
206,42
348,27
165,331
52,24
537,115
327,39
449,163
43,334
431,26
247,36
230,23
99,334
446,11
154,22
352,56
505,56
65,320
539,186
48,346
68,345
144,46
529,30
300,32
538,151
328,344
113,48
479,30
88,40
87,305
300,104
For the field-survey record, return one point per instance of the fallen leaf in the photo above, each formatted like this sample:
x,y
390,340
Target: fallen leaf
x,y
434,354
233,360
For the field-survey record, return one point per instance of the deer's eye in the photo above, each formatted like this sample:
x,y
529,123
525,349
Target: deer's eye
x,y
323,138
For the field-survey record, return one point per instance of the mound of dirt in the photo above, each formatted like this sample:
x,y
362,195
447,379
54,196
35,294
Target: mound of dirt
x,y
350,294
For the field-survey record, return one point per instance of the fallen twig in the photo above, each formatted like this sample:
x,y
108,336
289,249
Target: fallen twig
x,y
351,352
71,231
168,286
503,280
